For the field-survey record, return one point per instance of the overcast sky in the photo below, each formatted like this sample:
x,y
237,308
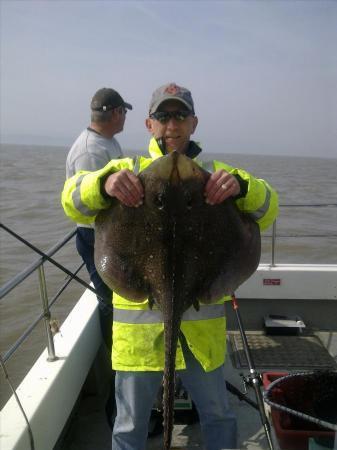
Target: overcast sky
x,y
263,74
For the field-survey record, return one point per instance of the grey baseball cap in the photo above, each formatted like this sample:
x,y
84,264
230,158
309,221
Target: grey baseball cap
x,y
106,99
171,91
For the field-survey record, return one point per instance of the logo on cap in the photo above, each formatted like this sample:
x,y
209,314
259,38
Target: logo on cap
x,y
172,89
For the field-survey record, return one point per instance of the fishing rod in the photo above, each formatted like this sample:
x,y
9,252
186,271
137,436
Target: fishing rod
x,y
254,378
58,265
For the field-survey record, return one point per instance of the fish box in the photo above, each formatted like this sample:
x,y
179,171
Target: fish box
x,y
292,432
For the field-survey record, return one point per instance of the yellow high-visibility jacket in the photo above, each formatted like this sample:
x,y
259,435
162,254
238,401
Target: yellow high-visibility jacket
x,y
138,341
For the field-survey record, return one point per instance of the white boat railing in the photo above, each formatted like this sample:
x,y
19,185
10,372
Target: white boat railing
x,y
38,265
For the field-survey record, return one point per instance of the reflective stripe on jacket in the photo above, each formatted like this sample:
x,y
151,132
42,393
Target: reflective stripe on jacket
x,y
138,336
138,341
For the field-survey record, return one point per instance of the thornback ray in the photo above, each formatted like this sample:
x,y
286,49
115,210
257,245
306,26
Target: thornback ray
x,y
175,250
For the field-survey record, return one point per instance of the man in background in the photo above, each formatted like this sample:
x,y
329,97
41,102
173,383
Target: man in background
x,y
92,150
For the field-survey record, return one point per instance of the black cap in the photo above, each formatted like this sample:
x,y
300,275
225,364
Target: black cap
x,y
106,99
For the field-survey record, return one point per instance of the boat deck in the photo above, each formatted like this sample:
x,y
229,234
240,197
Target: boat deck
x,y
89,428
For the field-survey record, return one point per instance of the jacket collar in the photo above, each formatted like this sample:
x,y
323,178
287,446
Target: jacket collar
x,y
156,149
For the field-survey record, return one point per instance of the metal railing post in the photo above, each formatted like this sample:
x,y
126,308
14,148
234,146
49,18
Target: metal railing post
x,y
46,312
273,242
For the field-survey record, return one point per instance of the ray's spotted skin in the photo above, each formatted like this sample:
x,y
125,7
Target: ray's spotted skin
x,y
175,250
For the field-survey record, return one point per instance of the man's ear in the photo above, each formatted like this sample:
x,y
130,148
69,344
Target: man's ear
x,y
148,124
115,114
195,123
116,111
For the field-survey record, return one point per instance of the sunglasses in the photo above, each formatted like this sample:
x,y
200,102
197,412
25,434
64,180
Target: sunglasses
x,y
165,116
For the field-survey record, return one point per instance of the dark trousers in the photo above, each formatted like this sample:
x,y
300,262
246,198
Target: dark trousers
x,y
85,242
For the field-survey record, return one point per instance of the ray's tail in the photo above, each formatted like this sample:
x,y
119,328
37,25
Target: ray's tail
x,y
171,340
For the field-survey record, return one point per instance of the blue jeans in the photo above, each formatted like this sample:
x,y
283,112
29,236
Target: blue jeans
x,y
136,392
85,244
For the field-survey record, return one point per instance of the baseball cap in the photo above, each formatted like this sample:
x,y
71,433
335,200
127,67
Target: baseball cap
x,y
106,99
171,91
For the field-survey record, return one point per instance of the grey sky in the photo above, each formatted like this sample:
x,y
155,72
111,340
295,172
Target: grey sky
x,y
263,73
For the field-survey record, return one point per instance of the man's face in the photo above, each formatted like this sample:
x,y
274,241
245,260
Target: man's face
x,y
175,129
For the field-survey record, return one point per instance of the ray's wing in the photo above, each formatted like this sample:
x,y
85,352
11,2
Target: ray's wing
x,y
121,248
233,251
